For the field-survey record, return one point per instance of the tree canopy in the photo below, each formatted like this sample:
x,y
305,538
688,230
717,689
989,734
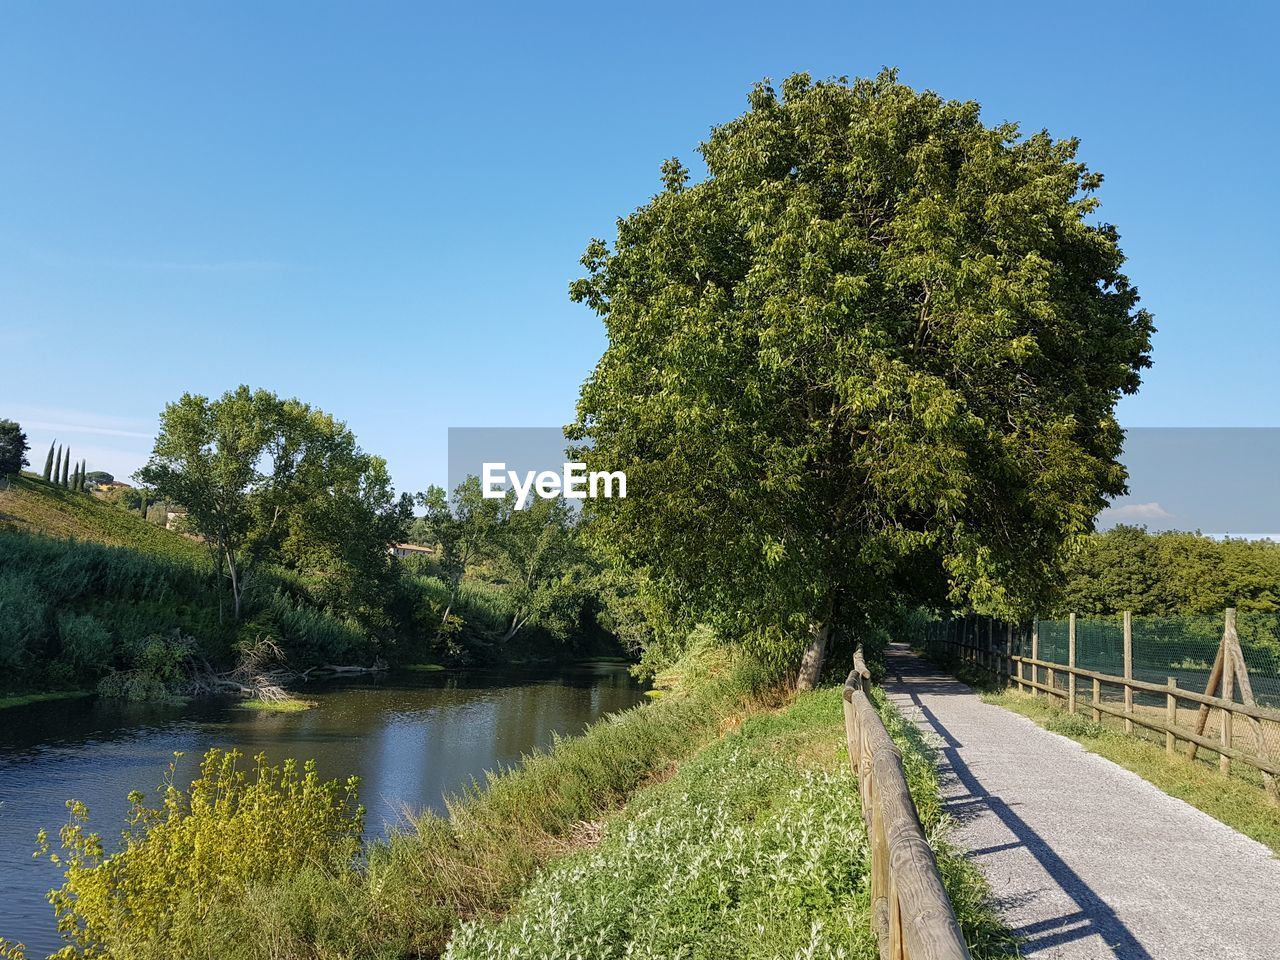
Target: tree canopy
x,y
13,448
1158,574
872,357
268,478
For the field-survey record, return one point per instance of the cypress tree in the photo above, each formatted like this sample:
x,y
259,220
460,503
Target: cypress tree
x,y
48,464
66,467
80,477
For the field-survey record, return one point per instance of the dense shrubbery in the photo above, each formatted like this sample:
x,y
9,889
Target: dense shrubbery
x,y
73,612
234,828
1128,568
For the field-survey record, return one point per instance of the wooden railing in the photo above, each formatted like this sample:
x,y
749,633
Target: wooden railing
x,y
995,654
910,910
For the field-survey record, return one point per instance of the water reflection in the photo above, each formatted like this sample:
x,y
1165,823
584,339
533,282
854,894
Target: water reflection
x,y
411,738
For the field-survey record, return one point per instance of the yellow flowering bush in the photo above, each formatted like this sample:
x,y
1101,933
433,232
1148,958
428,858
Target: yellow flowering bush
x,y
236,826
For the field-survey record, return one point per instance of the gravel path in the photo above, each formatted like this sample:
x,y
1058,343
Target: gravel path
x,y
1086,859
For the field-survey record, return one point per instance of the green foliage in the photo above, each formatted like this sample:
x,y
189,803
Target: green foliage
x,y
86,644
232,829
72,612
870,361
47,474
503,573
34,507
754,849
66,468
23,613
1168,573
272,480
463,525
13,448
160,671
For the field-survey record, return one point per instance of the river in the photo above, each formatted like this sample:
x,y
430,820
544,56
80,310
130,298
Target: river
x,y
411,738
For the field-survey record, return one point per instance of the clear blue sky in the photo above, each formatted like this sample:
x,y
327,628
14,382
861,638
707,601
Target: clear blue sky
x,y
377,207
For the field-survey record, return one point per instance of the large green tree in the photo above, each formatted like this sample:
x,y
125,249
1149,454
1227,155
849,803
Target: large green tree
x,y
13,448
264,478
871,358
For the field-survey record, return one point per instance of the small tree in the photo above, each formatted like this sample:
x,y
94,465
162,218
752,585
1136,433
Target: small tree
x,y
13,448
48,465
66,467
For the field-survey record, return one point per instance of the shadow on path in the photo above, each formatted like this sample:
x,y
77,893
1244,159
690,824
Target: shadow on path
x,y
1092,916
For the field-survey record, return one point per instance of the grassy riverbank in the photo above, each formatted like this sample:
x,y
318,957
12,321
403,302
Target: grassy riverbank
x,y
754,849
407,894
715,816
22,699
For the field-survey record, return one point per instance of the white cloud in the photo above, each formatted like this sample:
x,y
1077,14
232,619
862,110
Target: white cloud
x,y
1133,513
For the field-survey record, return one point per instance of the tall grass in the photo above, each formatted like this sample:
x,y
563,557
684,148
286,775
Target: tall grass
x,y
72,611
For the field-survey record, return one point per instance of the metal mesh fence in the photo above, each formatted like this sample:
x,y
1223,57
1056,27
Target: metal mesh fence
x,y
1172,650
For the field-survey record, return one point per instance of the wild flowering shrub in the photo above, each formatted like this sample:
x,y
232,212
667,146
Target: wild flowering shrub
x,y
745,856
236,826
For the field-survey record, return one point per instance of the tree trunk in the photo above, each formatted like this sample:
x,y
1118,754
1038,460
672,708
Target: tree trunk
x,y
235,588
516,624
814,656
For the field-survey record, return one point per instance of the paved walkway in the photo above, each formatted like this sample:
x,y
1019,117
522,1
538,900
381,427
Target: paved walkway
x,y
1086,859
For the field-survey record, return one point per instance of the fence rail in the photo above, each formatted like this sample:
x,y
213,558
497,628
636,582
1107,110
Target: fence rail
x,y
910,911
1002,651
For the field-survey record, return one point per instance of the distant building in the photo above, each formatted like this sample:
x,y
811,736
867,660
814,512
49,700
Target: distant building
x,y
408,550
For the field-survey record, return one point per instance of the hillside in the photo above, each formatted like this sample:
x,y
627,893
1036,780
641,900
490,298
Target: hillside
x,y
32,506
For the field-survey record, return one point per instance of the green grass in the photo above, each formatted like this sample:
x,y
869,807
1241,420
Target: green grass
x,y
754,849
1238,803
423,667
22,699
32,506
276,706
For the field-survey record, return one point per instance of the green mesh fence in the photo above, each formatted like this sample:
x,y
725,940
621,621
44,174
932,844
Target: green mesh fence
x,y
1182,648
1260,643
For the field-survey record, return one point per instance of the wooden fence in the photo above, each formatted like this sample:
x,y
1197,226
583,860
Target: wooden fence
x,y
992,647
910,910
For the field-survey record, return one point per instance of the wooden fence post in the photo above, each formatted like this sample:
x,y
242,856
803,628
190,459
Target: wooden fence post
x,y
1128,670
1071,664
1097,699
1246,697
1035,655
1228,687
1171,717
1211,688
